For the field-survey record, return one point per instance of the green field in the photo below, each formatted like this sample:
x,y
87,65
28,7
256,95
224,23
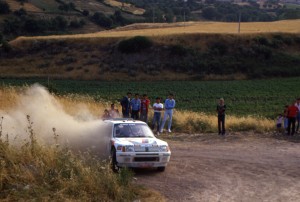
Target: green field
x,y
251,97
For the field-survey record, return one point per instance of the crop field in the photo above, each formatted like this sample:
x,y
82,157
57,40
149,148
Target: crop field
x,y
125,6
264,98
48,6
15,5
165,29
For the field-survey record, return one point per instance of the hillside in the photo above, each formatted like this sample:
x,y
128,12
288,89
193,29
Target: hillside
x,y
48,17
193,51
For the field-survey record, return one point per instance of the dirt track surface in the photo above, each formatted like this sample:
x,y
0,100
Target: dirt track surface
x,y
239,167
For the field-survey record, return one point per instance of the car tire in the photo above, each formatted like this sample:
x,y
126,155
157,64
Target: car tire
x,y
161,169
114,163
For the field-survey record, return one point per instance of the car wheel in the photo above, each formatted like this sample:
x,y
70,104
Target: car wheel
x,y
114,163
161,169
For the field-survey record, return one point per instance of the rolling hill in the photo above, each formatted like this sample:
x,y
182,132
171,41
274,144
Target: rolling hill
x,y
207,50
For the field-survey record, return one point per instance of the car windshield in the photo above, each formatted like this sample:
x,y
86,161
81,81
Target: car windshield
x,y
132,130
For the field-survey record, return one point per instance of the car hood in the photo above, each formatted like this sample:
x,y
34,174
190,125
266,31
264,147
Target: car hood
x,y
141,141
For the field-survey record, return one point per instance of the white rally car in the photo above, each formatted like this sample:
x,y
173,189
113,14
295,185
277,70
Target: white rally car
x,y
132,144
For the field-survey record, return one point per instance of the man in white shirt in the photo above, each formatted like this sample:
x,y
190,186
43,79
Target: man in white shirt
x,y
158,107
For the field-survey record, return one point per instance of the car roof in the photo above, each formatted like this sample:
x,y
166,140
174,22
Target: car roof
x,y
123,120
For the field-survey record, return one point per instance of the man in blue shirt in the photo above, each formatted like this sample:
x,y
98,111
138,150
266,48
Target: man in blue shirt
x,y
125,103
135,105
169,106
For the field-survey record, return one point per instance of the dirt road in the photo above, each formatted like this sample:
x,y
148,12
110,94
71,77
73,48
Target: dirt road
x,y
239,167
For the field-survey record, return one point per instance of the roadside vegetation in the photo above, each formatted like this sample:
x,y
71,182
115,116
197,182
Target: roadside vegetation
x,y
30,170
187,121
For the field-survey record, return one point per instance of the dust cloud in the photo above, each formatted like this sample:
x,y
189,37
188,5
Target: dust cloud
x,y
82,131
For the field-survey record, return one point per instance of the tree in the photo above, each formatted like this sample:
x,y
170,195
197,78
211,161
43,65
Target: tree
x,y
209,13
4,7
102,20
21,12
59,23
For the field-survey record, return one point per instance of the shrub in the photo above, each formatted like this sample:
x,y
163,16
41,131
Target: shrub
x,y
219,48
178,50
262,41
4,7
21,12
85,12
6,46
59,23
76,23
135,44
102,20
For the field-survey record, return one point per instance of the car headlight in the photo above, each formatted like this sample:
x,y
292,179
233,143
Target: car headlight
x,y
164,148
128,149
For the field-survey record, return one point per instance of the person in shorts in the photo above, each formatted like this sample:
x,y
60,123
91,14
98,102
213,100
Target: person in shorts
x,y
279,123
157,107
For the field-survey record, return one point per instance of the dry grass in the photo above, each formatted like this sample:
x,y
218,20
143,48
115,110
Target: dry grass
x,y
126,7
15,5
163,29
32,172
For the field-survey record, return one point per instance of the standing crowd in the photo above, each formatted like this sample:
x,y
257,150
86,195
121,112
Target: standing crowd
x,y
138,107
289,118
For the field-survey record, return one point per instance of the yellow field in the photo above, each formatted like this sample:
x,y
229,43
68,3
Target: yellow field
x,y
126,7
15,5
163,29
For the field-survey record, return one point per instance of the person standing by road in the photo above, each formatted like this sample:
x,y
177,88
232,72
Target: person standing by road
x,y
292,114
125,103
285,120
158,107
114,113
221,107
135,105
298,114
169,106
145,102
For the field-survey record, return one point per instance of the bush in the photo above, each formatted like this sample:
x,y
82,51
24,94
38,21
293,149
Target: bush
x,y
135,44
21,12
262,41
6,46
59,23
218,48
178,50
76,23
85,12
102,20
4,7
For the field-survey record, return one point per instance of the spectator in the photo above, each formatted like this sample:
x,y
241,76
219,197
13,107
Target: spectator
x,y
144,108
285,120
125,103
221,107
135,105
291,114
158,107
169,106
298,114
106,115
114,113
279,123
